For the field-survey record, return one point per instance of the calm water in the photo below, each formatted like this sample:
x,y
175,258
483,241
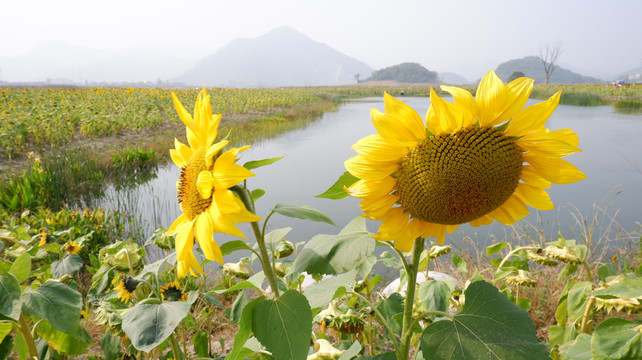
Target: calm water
x,y
611,157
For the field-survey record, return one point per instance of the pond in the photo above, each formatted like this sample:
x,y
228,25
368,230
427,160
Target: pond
x,y
610,197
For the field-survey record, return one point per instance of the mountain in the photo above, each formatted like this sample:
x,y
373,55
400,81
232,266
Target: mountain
x,y
633,76
532,67
452,78
405,72
281,57
62,62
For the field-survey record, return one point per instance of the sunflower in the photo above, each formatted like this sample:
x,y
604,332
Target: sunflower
x,y
172,292
207,173
474,161
127,287
72,247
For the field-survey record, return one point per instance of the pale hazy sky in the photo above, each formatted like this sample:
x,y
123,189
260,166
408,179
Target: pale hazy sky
x,y
466,37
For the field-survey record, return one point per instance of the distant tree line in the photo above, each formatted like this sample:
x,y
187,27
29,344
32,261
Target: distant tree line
x,y
405,72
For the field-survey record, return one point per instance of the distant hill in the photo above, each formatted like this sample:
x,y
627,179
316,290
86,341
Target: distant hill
x,y
633,76
65,63
452,78
532,67
405,72
281,57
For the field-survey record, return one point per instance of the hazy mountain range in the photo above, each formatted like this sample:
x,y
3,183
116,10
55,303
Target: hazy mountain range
x,y
281,57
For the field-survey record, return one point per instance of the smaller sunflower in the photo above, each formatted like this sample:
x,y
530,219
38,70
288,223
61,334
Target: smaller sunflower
x,y
43,239
172,292
127,288
72,247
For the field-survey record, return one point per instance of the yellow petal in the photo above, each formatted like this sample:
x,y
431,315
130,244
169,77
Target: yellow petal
x,y
489,99
233,207
546,146
222,223
176,225
375,207
448,115
185,239
183,114
483,220
374,147
192,139
533,117
393,129
555,170
227,174
204,233
566,135
406,114
367,169
213,150
530,177
367,188
514,98
502,216
204,184
515,207
177,158
534,197
213,129
464,99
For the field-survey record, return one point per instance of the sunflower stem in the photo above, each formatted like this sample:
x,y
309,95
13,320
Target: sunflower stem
x,y
28,337
246,198
411,270
176,350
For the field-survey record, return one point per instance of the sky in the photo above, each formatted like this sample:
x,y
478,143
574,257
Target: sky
x,y
467,37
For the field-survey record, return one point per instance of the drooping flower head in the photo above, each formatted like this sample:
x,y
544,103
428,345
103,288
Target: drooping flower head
x,y
72,247
474,161
126,288
171,291
207,173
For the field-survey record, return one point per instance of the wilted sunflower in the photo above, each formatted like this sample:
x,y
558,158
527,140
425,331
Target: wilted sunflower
x,y
172,292
203,187
72,247
127,287
475,161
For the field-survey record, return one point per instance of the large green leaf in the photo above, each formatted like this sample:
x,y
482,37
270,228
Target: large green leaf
x,y
616,338
70,264
73,344
488,327
244,332
148,325
21,268
254,282
353,351
6,345
55,302
337,191
10,304
627,288
5,329
273,238
284,325
576,300
434,295
321,293
304,212
391,309
111,345
578,349
333,254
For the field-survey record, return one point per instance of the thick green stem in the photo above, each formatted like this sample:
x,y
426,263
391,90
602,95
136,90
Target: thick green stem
x,y
26,334
176,350
381,317
589,276
246,198
587,311
412,269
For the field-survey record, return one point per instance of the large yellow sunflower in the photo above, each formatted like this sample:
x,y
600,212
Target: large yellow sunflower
x,y
203,187
474,161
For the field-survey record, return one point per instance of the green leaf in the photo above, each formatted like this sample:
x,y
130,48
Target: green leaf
x,y
257,194
389,308
254,282
353,351
148,325
55,302
283,325
241,301
321,293
21,267
390,355
576,300
10,304
488,327
231,246
5,329
201,344
459,263
258,163
274,237
155,267
337,191
6,345
495,248
616,338
75,343
578,349
390,260
111,345
70,264
627,288
333,254
303,212
434,296
244,332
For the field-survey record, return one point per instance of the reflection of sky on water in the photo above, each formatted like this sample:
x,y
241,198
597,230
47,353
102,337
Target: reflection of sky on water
x,y
314,159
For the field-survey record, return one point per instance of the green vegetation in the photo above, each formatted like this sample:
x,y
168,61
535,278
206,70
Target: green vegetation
x,y
628,106
405,72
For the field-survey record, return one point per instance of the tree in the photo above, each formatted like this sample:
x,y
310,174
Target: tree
x,y
356,77
515,75
549,54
